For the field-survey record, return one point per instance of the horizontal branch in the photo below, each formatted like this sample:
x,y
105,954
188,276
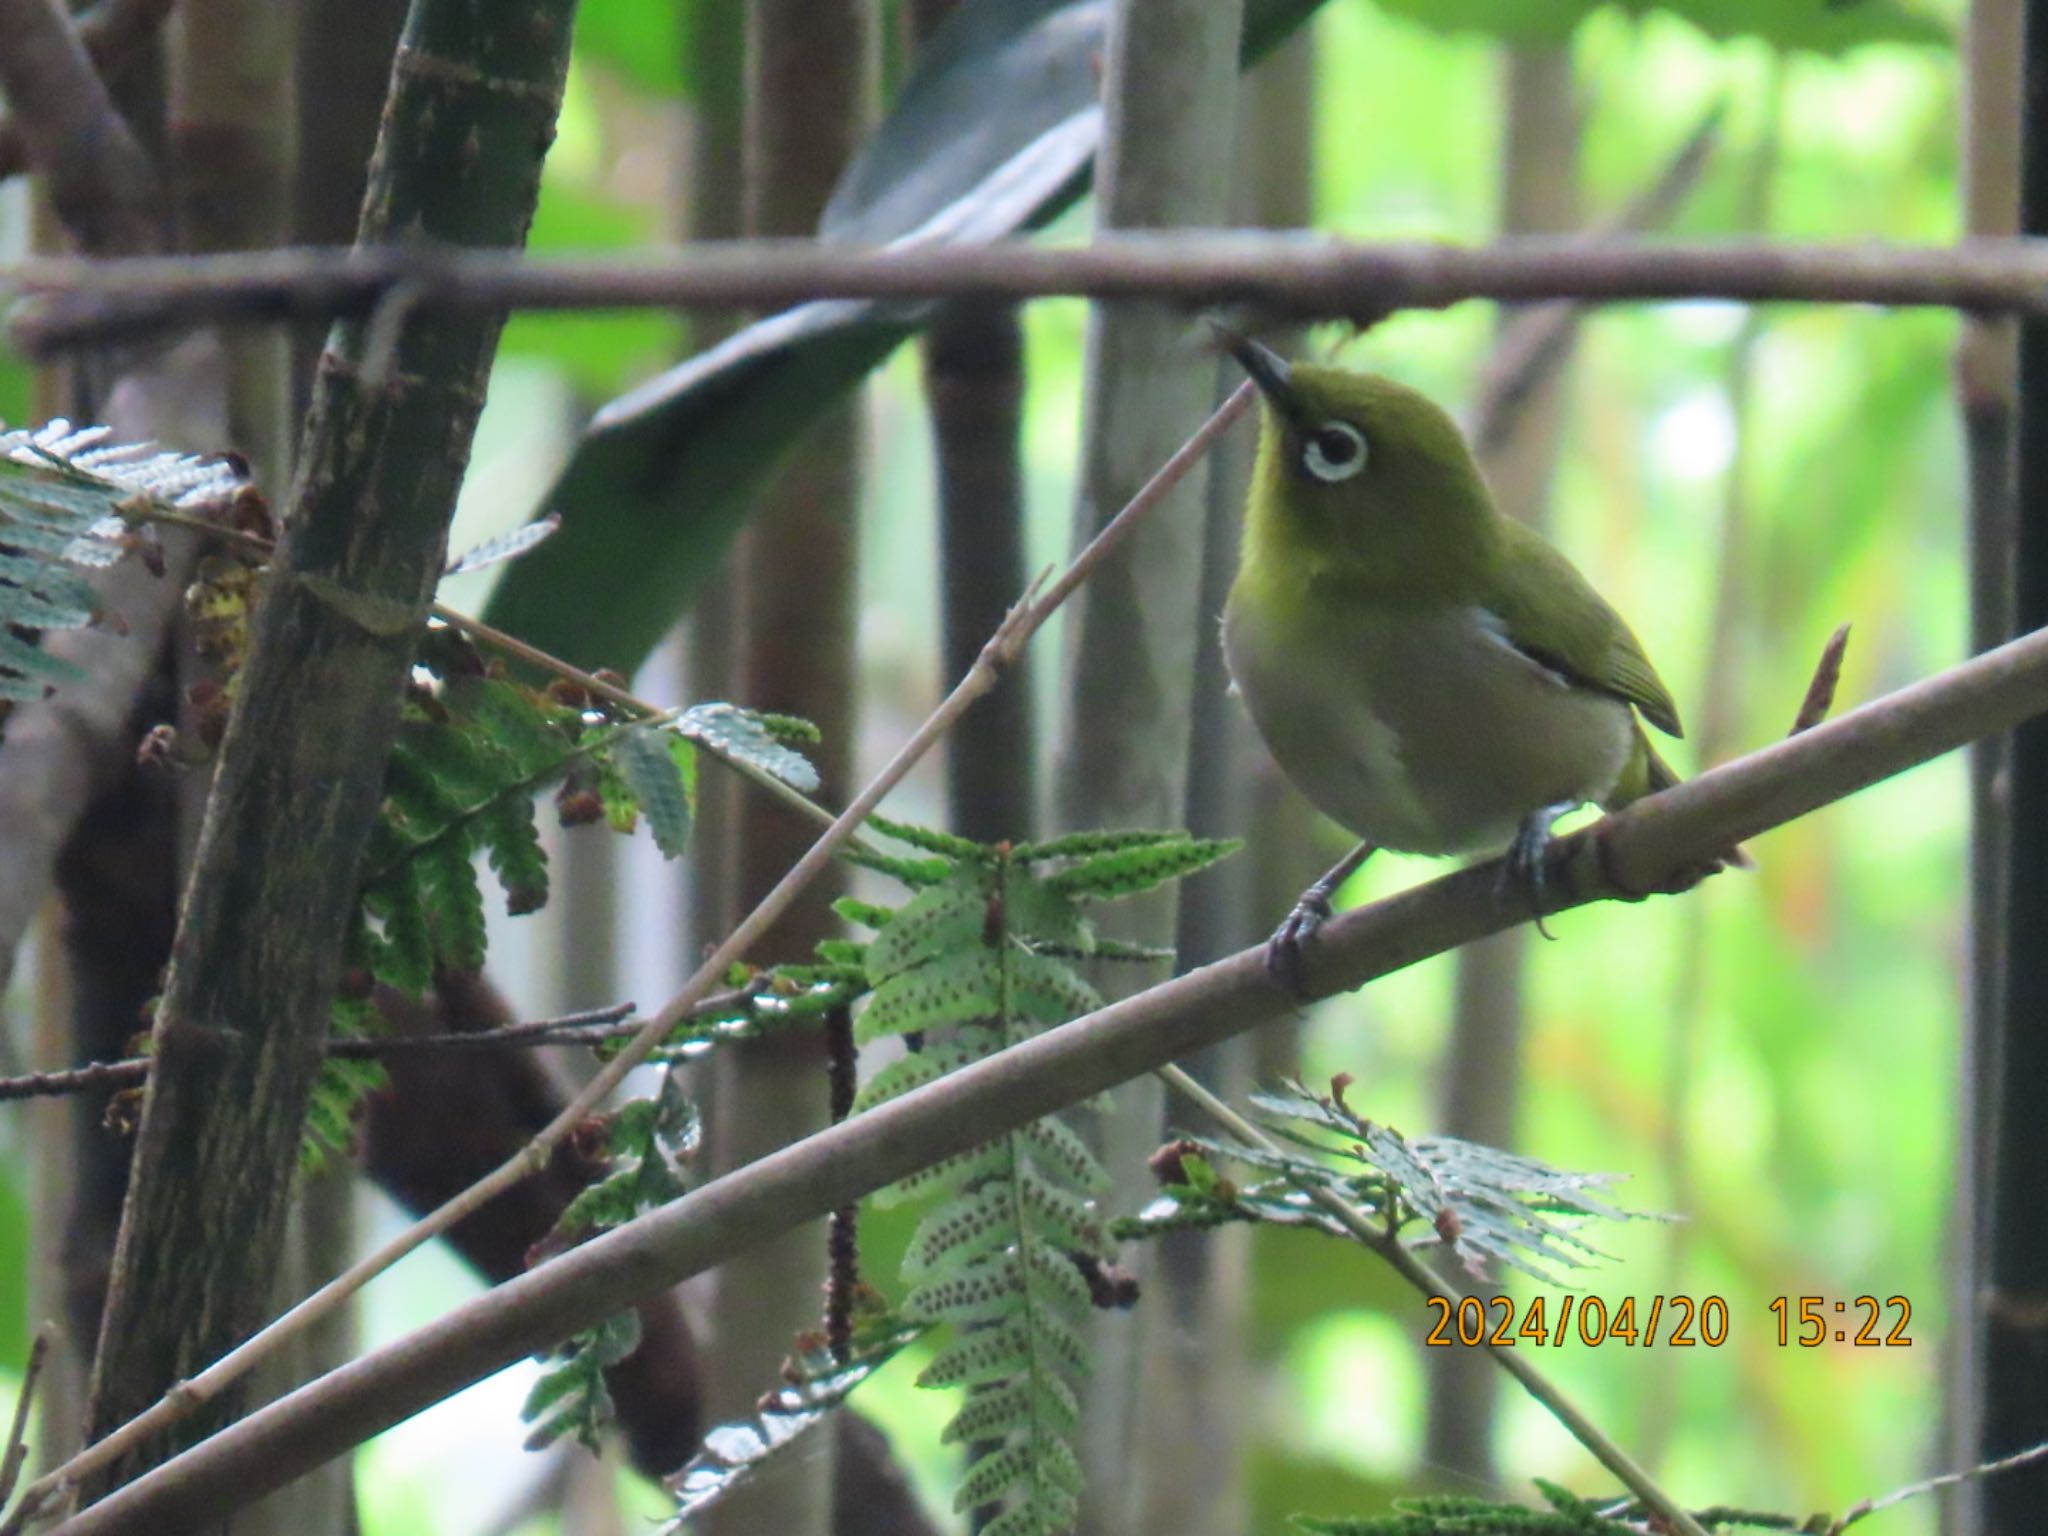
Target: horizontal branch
x,y
1651,845
76,302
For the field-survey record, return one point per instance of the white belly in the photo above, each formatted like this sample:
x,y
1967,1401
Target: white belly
x,y
1422,733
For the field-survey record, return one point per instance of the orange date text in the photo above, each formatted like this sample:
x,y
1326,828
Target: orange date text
x,y
1677,1322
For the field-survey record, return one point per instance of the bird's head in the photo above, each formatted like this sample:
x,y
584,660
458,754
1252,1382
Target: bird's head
x,y
1367,479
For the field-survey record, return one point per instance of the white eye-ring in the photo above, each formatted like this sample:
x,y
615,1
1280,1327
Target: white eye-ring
x,y
1334,451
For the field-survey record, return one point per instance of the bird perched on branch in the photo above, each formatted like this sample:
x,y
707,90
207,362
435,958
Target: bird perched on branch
x,y
1430,673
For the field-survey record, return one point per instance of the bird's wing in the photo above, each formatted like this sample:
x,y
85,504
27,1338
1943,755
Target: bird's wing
x,y
1552,614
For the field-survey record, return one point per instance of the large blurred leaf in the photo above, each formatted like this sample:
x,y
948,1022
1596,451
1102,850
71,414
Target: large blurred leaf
x,y
995,132
1826,26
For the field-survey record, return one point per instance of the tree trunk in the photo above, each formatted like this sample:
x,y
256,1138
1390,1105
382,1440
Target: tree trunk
x,y
1170,84
2012,1299
1985,366
246,1005
793,647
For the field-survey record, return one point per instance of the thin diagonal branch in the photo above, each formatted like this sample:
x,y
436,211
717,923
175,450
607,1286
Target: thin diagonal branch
x,y
1655,842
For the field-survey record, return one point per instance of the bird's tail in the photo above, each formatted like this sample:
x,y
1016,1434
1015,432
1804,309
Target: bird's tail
x,y
1646,774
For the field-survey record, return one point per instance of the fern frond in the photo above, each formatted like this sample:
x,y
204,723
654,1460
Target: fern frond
x,y
571,1398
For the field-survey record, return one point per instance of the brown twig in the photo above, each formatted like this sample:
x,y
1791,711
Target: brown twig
x,y
1018,626
1827,677
1283,274
112,33
15,1456
1871,1506
592,1027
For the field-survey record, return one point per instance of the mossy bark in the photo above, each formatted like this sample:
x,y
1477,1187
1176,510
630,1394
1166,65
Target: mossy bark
x,y
258,952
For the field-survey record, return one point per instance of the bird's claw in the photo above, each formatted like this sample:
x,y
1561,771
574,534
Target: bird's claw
x,y
1284,950
1524,871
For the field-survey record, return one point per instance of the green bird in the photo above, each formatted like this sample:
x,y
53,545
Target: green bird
x,y
1430,673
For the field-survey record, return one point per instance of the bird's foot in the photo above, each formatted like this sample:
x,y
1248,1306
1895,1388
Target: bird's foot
x,y
1286,950
1524,870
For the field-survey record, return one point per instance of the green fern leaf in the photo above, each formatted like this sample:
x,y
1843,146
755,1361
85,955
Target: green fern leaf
x,y
941,920
926,1066
991,1477
43,595
1130,871
1061,1217
952,849
960,988
534,739
978,1163
991,1410
1057,1147
621,813
914,873
403,954
960,1231
981,1294
1048,992
571,1398
340,1088
512,841
453,900
988,1355
660,775
865,913
1080,845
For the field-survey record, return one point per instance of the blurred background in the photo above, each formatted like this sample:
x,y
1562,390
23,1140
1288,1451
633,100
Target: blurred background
x,y
1776,1059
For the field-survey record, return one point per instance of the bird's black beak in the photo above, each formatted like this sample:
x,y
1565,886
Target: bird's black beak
x,y
1268,370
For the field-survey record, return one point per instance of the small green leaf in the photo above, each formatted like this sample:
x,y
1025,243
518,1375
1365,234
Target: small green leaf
x,y
731,732
657,784
1128,872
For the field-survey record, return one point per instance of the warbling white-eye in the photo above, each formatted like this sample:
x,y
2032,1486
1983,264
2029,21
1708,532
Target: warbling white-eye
x,y
1429,672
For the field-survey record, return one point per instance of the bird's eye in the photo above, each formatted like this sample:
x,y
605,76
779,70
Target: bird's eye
x,y
1334,451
